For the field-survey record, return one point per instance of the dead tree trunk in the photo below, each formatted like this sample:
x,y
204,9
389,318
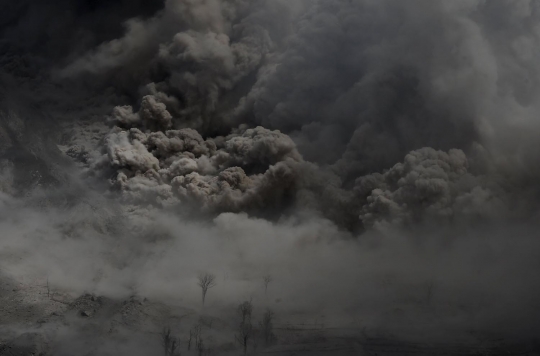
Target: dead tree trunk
x,y
206,281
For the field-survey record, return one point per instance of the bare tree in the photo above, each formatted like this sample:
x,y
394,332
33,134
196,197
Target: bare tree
x,y
200,346
174,346
48,289
244,335
267,327
169,342
206,281
191,335
245,330
267,279
194,335
245,309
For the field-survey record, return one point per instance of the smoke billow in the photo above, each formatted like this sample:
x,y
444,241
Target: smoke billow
x,y
356,86
388,143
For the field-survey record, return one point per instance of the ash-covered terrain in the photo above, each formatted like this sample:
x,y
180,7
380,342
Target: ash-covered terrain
x,y
305,177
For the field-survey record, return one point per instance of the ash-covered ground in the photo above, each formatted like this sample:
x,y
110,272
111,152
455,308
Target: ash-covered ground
x,y
40,320
357,177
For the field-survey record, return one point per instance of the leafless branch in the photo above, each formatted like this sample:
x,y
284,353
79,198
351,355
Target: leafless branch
x,y
267,279
206,281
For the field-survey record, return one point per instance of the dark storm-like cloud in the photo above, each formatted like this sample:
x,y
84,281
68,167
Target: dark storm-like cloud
x,y
53,30
388,77
356,85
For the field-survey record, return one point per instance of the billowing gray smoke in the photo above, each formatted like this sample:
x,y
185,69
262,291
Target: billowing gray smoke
x,y
353,87
388,138
180,165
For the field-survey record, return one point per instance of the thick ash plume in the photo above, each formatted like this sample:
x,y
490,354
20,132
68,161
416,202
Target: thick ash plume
x,y
356,85
198,50
249,169
428,186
